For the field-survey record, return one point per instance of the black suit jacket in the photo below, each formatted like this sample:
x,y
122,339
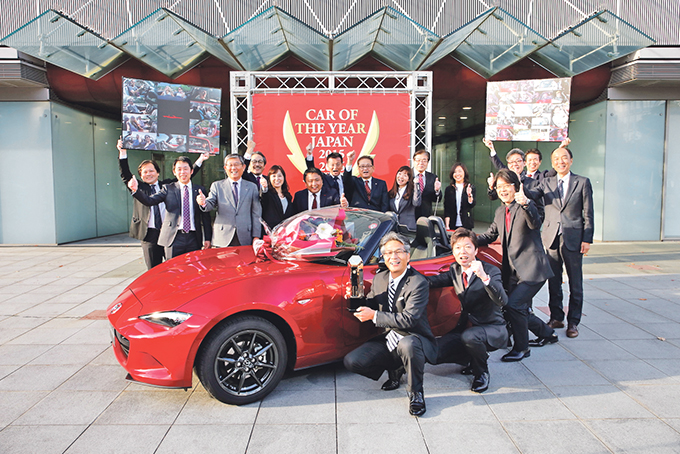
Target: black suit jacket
x,y
481,304
355,192
528,183
328,180
406,211
171,194
327,197
522,248
575,216
429,196
410,308
451,207
272,210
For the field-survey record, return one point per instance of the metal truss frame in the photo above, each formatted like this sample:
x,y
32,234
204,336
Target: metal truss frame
x,y
418,84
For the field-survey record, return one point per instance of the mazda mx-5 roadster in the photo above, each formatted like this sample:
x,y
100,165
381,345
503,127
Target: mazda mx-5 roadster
x,y
241,316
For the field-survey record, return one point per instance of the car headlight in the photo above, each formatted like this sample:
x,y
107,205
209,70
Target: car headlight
x,y
170,318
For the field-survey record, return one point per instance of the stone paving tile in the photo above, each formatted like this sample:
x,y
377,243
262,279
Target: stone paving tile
x,y
631,372
117,439
455,406
51,336
650,348
555,437
633,436
662,400
69,354
298,407
6,370
37,378
144,407
379,437
39,439
565,373
97,378
620,330
202,409
668,330
322,377
509,404
597,349
465,437
275,439
67,407
21,354
359,405
15,403
600,402
208,438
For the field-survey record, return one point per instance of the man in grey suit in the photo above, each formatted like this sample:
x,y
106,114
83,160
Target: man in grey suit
x,y
238,206
397,302
185,228
481,327
567,235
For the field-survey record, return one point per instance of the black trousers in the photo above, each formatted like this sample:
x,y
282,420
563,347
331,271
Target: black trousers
x,y
468,347
373,358
184,242
153,253
519,315
558,254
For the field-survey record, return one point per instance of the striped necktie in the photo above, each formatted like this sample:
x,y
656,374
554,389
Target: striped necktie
x,y
393,337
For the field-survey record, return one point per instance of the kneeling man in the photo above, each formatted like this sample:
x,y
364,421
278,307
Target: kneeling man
x,y
481,327
397,302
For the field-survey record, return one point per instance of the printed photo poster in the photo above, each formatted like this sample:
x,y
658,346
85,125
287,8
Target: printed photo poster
x,y
377,125
530,110
170,117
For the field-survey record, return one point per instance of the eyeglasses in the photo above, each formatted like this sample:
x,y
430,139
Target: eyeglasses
x,y
422,161
257,161
365,167
516,161
504,186
395,252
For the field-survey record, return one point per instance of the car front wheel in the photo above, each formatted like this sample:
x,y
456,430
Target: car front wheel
x,y
243,360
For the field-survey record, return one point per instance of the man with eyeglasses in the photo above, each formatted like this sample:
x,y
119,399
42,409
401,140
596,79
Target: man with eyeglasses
x,y
254,163
397,302
426,182
365,191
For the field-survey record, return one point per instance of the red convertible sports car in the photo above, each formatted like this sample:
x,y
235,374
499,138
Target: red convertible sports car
x,y
241,316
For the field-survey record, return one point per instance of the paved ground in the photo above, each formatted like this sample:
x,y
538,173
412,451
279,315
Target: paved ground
x,y
616,388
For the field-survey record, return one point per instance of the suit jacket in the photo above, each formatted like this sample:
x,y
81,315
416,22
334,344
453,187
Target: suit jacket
x,y
410,308
327,197
575,216
242,220
541,175
522,247
528,183
272,210
171,195
451,207
328,180
429,195
481,304
406,211
140,212
357,197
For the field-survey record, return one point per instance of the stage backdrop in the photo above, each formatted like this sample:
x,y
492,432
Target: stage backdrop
x,y
369,124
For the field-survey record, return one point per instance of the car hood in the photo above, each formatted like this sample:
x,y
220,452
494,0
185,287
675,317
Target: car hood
x,y
182,279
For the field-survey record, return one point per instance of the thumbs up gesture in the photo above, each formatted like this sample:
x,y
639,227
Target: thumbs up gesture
x,y
310,150
437,185
490,180
520,197
200,198
343,201
469,190
133,184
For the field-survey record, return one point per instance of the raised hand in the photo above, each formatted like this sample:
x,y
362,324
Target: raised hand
x,y
310,150
202,158
490,180
478,269
469,190
122,152
437,185
350,156
488,143
520,197
565,143
250,146
200,198
133,184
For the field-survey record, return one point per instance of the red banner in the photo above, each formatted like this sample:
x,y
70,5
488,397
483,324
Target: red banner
x,y
369,124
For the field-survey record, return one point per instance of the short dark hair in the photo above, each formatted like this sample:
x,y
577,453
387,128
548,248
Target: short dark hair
x,y
311,170
508,176
422,151
462,232
260,153
335,156
366,157
394,236
515,151
535,151
182,159
234,156
145,162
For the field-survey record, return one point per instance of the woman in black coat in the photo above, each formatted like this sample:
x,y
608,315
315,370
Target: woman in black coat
x,y
459,199
404,198
276,202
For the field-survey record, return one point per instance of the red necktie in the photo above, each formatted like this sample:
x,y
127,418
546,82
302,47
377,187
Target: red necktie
x,y
507,219
314,206
368,189
465,279
421,182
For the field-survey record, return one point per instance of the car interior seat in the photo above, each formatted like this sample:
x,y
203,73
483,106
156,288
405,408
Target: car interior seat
x,y
423,245
440,237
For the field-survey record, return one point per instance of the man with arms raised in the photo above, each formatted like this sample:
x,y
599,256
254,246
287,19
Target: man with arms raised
x,y
335,167
397,302
365,191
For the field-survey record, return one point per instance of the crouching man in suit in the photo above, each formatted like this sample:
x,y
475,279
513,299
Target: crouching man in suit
x,y
481,327
397,302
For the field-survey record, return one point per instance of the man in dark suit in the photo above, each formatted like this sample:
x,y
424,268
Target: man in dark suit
x,y
398,302
317,195
143,225
335,167
481,327
365,191
185,227
426,182
533,158
255,162
567,235
525,266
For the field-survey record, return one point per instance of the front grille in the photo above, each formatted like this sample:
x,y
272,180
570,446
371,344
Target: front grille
x,y
124,342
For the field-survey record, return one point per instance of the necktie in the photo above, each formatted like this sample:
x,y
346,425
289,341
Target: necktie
x,y
560,190
336,186
186,211
314,205
368,189
257,178
465,280
507,220
393,337
421,182
234,190
156,210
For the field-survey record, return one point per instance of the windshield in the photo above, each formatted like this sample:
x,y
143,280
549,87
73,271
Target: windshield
x,y
326,233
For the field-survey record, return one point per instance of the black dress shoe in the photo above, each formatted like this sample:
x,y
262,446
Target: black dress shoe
x,y
555,323
516,356
480,383
416,403
467,371
393,380
541,341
